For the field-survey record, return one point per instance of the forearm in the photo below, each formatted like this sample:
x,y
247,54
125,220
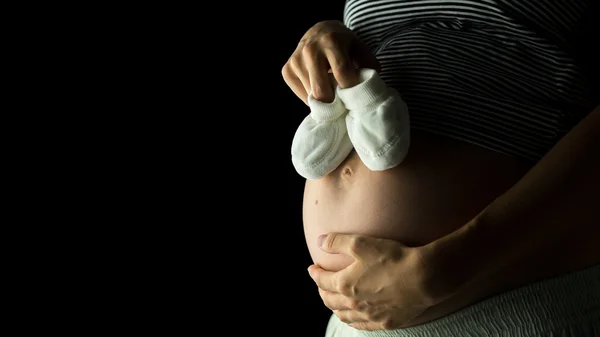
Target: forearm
x,y
556,202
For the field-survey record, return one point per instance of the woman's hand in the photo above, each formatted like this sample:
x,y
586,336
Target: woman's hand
x,y
328,46
386,287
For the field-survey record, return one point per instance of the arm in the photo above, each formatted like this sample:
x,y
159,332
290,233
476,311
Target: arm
x,y
554,208
546,224
377,121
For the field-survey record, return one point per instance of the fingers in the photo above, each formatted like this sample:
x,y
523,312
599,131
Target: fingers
x,y
327,46
353,318
290,75
361,320
355,246
337,301
295,84
347,310
325,280
335,282
316,65
369,326
341,67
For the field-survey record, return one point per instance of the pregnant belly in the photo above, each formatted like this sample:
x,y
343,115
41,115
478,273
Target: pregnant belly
x,y
440,186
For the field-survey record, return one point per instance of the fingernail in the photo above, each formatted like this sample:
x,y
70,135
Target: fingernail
x,y
321,240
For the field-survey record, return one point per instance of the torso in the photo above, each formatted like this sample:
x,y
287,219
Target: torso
x,y
440,186
488,73
490,89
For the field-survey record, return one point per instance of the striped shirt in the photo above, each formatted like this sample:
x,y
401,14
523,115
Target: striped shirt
x,y
494,73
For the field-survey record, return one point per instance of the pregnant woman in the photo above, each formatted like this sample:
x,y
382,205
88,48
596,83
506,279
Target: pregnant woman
x,y
489,224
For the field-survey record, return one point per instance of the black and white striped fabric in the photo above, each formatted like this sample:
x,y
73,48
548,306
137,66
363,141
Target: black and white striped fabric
x,y
496,73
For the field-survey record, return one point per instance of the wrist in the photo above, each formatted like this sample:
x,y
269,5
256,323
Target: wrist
x,y
452,262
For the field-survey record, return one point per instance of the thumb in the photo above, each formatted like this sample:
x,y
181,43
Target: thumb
x,y
347,244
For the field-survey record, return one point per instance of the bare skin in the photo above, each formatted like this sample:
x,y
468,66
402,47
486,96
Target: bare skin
x,y
543,226
440,186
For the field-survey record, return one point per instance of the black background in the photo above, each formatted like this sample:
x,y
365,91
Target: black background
x,y
213,237
276,295
311,314
194,210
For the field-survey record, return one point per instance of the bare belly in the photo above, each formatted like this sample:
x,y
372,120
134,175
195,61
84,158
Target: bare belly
x,y
440,186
